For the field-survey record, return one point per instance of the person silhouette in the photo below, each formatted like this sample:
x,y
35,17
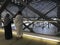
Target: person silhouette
x,y
19,25
7,27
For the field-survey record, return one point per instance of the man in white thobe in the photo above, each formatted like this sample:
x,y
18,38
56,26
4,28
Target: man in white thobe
x,y
19,25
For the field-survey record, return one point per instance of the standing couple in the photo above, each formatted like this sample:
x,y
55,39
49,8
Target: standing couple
x,y
18,23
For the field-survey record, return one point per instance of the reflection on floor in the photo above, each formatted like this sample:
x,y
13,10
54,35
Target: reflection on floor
x,y
25,41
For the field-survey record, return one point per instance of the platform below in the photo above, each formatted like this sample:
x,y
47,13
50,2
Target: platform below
x,y
25,41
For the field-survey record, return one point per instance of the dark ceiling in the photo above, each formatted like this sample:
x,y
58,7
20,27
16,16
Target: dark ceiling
x,y
51,0
1,0
55,0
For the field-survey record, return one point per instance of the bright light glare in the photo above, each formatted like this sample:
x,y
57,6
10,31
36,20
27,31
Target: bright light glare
x,y
41,37
35,36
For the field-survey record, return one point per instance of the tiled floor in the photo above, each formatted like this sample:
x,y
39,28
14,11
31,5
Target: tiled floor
x,y
25,41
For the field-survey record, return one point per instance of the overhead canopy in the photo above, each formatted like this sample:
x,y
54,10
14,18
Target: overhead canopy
x,y
43,7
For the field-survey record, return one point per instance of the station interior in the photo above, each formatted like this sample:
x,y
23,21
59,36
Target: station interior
x,y
41,21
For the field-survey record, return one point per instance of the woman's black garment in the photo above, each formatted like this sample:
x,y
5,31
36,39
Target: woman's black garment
x,y
8,31
7,28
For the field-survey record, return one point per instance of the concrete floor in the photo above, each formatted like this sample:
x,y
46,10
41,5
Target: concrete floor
x,y
25,41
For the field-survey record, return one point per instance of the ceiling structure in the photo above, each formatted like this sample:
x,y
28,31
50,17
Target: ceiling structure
x,y
46,9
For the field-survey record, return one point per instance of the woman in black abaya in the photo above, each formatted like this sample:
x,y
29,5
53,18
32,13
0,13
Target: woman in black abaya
x,y
7,27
